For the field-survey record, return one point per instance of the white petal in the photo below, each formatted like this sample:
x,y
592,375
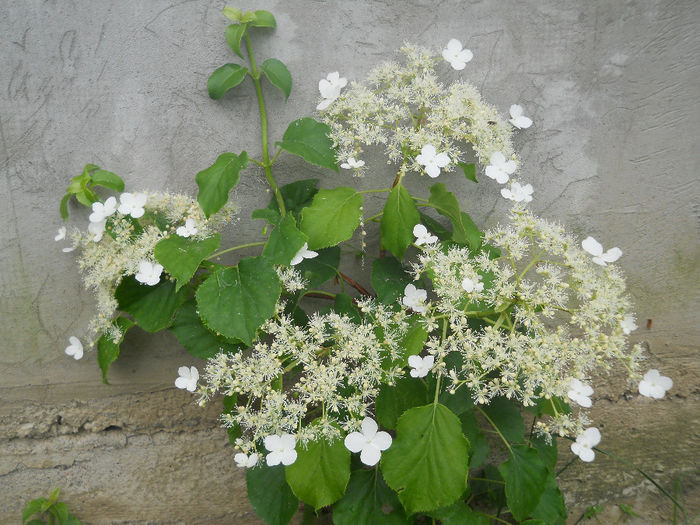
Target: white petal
x,y
325,103
454,45
273,458
241,459
586,454
442,160
415,361
288,441
612,255
645,388
432,170
355,441
382,440
592,436
497,159
507,193
289,456
61,234
429,361
428,151
510,166
522,122
502,177
182,383
465,56
592,246
370,455
665,382
272,442
492,172
419,230
369,427
457,65
516,110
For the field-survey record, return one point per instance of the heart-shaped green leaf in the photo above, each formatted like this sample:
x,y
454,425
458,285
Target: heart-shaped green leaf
x,y
278,75
181,256
310,140
218,180
333,217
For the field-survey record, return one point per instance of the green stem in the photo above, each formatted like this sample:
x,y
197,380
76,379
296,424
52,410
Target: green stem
x,y
234,248
494,426
384,190
320,292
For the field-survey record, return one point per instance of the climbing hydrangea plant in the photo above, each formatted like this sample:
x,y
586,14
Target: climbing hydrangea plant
x,y
377,406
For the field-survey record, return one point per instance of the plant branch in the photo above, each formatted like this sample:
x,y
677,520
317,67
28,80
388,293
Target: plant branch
x,y
357,286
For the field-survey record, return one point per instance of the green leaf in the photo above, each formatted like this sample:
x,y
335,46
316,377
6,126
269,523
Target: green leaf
x,y
551,508
271,216
399,217
278,75
547,451
525,476
107,179
393,400
236,301
464,231
366,500
479,444
435,227
181,256
195,337
63,208
333,217
263,19
389,278
296,195
231,407
414,340
321,268
60,511
549,407
417,465
271,497
474,235
459,514
320,473
507,419
234,35
224,78
628,510
459,402
152,307
343,305
310,140
108,350
285,242
218,180
31,508
469,170
53,497
232,14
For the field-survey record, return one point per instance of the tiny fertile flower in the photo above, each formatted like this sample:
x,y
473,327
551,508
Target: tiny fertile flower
x,y
415,298
330,88
188,378
245,461
75,349
132,204
518,193
473,285
653,384
583,447
369,442
517,118
97,229
351,163
149,273
420,365
423,236
499,168
580,393
302,254
100,211
628,325
596,250
455,55
188,229
61,234
432,160
281,448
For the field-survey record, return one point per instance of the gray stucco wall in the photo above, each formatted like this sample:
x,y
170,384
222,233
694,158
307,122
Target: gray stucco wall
x,y
612,87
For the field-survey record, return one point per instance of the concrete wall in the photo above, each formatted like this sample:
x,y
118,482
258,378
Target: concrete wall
x,y
612,87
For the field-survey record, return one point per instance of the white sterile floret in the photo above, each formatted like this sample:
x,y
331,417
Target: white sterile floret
x,y
415,298
188,378
420,366
517,118
585,442
281,448
473,285
330,88
245,461
61,234
596,250
97,229
653,384
302,254
188,229
100,211
518,193
580,393
455,55
628,325
75,349
351,163
149,273
423,236
369,443
432,160
499,168
132,204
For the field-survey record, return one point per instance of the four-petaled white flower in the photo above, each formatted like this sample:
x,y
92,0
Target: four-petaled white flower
x,y
628,325
518,193
61,234
188,229
149,273
188,378
97,229
580,393
100,211
420,366
455,55
245,461
351,163
423,236
132,204
596,250
281,448
330,88
415,298
517,118
302,254
653,384
583,447
369,443
473,285
75,349
432,160
499,168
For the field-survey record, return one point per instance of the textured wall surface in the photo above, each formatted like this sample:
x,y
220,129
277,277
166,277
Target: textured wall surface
x,y
611,85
